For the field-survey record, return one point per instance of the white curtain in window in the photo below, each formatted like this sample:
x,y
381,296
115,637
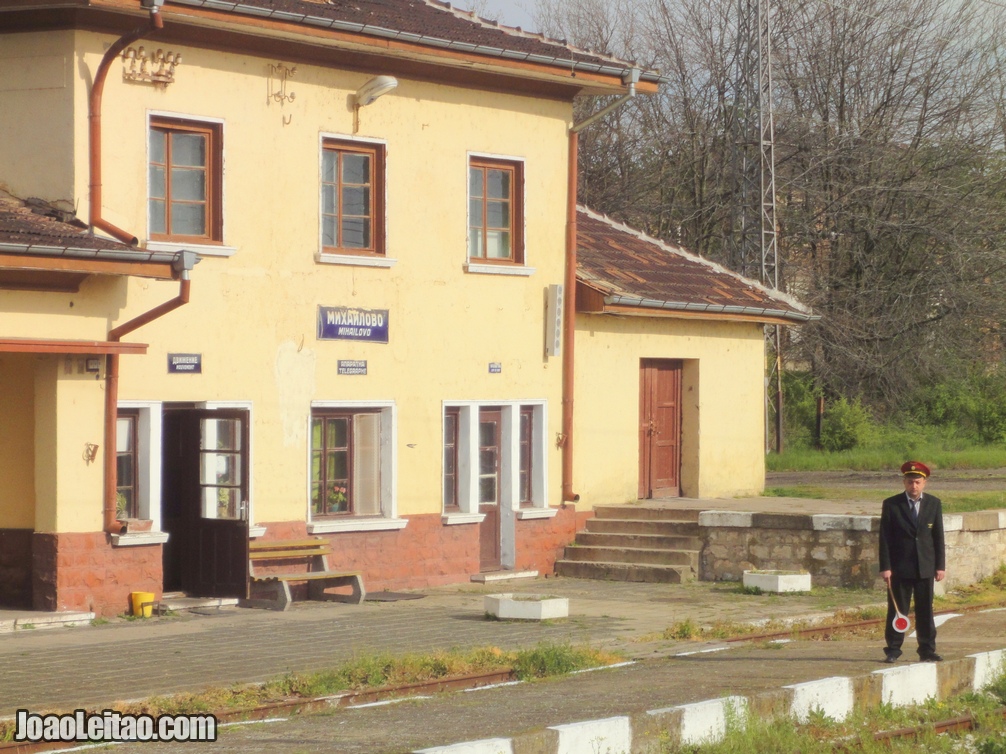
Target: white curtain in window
x,y
367,464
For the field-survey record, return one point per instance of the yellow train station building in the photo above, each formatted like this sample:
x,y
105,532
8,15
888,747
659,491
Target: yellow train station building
x,y
278,269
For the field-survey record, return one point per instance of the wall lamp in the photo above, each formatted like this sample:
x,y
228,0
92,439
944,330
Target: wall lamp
x,y
376,87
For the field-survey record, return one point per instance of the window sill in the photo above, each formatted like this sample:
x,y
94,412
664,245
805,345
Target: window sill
x,y
499,269
202,249
354,260
524,514
256,531
356,524
450,519
139,538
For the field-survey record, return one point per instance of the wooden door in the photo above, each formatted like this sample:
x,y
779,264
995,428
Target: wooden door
x,y
660,428
490,447
205,510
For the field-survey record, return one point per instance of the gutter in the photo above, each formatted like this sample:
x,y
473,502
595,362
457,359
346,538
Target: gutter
x,y
102,255
630,78
711,308
381,32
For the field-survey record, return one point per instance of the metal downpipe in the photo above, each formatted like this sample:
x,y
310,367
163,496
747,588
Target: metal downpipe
x,y
110,522
569,299
95,219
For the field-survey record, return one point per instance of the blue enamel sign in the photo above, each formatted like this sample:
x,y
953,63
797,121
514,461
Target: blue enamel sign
x,y
346,323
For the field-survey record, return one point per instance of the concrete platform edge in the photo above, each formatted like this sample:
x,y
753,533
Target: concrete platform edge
x,y
707,721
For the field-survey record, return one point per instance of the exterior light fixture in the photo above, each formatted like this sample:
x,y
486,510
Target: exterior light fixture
x,y
376,87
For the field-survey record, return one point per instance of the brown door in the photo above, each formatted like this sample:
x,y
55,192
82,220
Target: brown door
x,y
660,428
490,432
205,502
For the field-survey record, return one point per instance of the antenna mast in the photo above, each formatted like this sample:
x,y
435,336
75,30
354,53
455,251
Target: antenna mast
x,y
754,248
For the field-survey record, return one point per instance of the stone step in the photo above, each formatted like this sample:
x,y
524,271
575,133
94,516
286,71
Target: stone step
x,y
636,555
642,526
646,513
625,572
645,541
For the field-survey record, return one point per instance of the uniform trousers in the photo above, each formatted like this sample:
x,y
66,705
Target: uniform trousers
x,y
905,590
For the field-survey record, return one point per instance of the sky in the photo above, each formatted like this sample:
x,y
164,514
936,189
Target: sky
x,y
509,12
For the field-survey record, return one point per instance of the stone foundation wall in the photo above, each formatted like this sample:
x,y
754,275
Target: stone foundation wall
x,y
837,550
540,541
84,572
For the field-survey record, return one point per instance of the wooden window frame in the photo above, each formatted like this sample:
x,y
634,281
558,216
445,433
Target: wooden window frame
x,y
451,441
336,414
516,199
134,419
376,151
214,179
525,460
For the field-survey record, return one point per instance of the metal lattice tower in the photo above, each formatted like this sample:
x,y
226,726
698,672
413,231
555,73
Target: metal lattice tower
x,y
754,248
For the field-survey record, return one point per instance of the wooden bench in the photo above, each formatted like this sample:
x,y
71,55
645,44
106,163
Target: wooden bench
x,y
318,577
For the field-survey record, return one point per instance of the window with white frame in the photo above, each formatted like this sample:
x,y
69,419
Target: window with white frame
x,y
517,456
352,467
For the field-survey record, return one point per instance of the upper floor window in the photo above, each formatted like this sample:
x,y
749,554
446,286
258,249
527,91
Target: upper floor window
x,y
496,210
185,179
352,197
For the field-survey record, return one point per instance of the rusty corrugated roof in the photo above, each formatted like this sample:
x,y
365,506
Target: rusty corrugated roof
x,y
423,21
631,269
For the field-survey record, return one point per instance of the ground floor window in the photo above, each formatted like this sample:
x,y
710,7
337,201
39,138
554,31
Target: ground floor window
x,y
493,453
127,499
352,472
345,463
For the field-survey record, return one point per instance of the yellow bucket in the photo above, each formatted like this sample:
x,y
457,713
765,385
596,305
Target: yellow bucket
x,y
143,603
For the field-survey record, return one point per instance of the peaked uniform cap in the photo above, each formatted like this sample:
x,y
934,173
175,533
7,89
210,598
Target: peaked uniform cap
x,y
915,468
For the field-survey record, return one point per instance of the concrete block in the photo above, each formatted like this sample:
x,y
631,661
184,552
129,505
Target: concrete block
x,y
777,581
526,606
725,519
988,667
613,734
486,746
909,684
830,522
782,521
706,722
831,696
953,522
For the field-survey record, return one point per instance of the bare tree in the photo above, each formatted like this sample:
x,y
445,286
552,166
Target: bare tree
x,y
890,129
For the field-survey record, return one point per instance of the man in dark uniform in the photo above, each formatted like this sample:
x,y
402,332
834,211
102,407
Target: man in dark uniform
x,y
911,556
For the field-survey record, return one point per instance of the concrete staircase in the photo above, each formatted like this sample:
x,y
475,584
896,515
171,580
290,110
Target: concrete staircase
x,y
635,543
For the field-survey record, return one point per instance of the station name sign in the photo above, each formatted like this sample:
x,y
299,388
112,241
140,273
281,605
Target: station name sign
x,y
346,323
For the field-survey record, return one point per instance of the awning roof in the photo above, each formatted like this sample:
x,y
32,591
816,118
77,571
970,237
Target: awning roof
x,y
45,247
82,347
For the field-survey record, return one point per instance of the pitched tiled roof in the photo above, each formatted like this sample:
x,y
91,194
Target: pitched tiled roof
x,y
34,222
630,269
428,22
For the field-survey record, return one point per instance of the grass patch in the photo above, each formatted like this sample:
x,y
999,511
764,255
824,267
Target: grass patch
x,y
885,456
374,671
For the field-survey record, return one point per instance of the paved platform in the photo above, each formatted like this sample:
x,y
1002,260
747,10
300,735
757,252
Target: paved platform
x,y
95,666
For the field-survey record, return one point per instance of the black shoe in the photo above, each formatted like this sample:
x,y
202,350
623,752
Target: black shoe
x,y
891,659
931,658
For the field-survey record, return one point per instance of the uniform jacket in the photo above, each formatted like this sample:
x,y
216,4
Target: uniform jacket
x,y
907,550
